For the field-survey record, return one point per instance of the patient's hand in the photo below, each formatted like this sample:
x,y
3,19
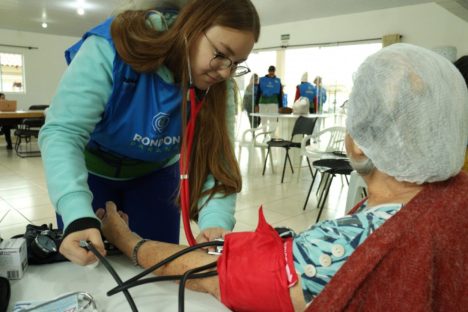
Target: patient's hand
x,y
114,223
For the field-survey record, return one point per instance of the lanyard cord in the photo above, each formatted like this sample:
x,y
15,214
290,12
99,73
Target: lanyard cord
x,y
185,153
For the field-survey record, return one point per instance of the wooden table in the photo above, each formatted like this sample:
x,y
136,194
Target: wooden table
x,y
9,120
20,115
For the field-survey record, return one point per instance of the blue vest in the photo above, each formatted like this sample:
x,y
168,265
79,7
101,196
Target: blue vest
x,y
270,86
142,118
306,89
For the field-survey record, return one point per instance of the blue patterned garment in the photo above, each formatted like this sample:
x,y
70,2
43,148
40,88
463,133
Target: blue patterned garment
x,y
320,251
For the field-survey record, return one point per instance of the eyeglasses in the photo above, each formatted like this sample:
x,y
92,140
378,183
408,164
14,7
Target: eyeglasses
x,y
221,61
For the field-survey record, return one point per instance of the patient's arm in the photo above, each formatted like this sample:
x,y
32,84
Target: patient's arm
x,y
117,232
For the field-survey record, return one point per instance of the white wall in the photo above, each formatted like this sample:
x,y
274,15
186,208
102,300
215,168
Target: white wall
x,y
428,25
44,66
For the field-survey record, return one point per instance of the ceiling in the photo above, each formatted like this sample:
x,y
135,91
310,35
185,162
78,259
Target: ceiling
x,y
62,18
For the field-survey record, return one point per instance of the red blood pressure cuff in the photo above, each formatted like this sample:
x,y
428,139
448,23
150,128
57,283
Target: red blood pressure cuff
x,y
256,270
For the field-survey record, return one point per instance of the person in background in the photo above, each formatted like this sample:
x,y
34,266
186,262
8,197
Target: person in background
x,y
248,100
114,129
306,89
6,130
270,92
411,230
320,95
269,99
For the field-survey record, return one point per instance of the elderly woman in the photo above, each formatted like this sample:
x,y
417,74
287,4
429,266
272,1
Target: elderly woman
x,y
404,248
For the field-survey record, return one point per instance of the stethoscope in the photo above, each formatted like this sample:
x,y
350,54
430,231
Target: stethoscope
x,y
186,152
184,163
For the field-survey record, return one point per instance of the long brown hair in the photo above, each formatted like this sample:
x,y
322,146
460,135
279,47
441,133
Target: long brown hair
x,y
146,49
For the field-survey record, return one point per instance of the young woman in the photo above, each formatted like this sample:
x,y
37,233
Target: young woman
x,y
116,123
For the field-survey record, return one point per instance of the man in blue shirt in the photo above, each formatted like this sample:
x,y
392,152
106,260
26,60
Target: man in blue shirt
x,y
269,92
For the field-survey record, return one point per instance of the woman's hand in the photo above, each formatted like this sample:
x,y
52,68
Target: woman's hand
x,y
70,247
114,223
209,234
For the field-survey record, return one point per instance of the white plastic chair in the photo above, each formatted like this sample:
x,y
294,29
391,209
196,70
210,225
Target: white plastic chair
x,y
330,146
258,137
314,146
255,138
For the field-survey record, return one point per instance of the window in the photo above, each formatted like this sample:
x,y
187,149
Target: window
x,y
12,73
258,62
335,64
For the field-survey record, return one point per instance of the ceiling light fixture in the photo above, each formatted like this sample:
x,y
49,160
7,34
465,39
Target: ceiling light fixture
x,y
80,11
44,25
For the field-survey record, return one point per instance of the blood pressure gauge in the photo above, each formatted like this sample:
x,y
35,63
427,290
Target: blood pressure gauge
x,y
43,245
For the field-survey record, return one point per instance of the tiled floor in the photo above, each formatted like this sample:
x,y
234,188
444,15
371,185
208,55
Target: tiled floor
x,y
23,193
24,199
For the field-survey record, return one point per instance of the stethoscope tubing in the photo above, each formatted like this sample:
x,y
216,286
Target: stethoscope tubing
x,y
185,153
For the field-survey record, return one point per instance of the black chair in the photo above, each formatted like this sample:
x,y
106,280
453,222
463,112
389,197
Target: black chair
x,y
329,169
25,131
303,126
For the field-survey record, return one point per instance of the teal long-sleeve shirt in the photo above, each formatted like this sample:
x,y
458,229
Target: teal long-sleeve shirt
x,y
75,110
